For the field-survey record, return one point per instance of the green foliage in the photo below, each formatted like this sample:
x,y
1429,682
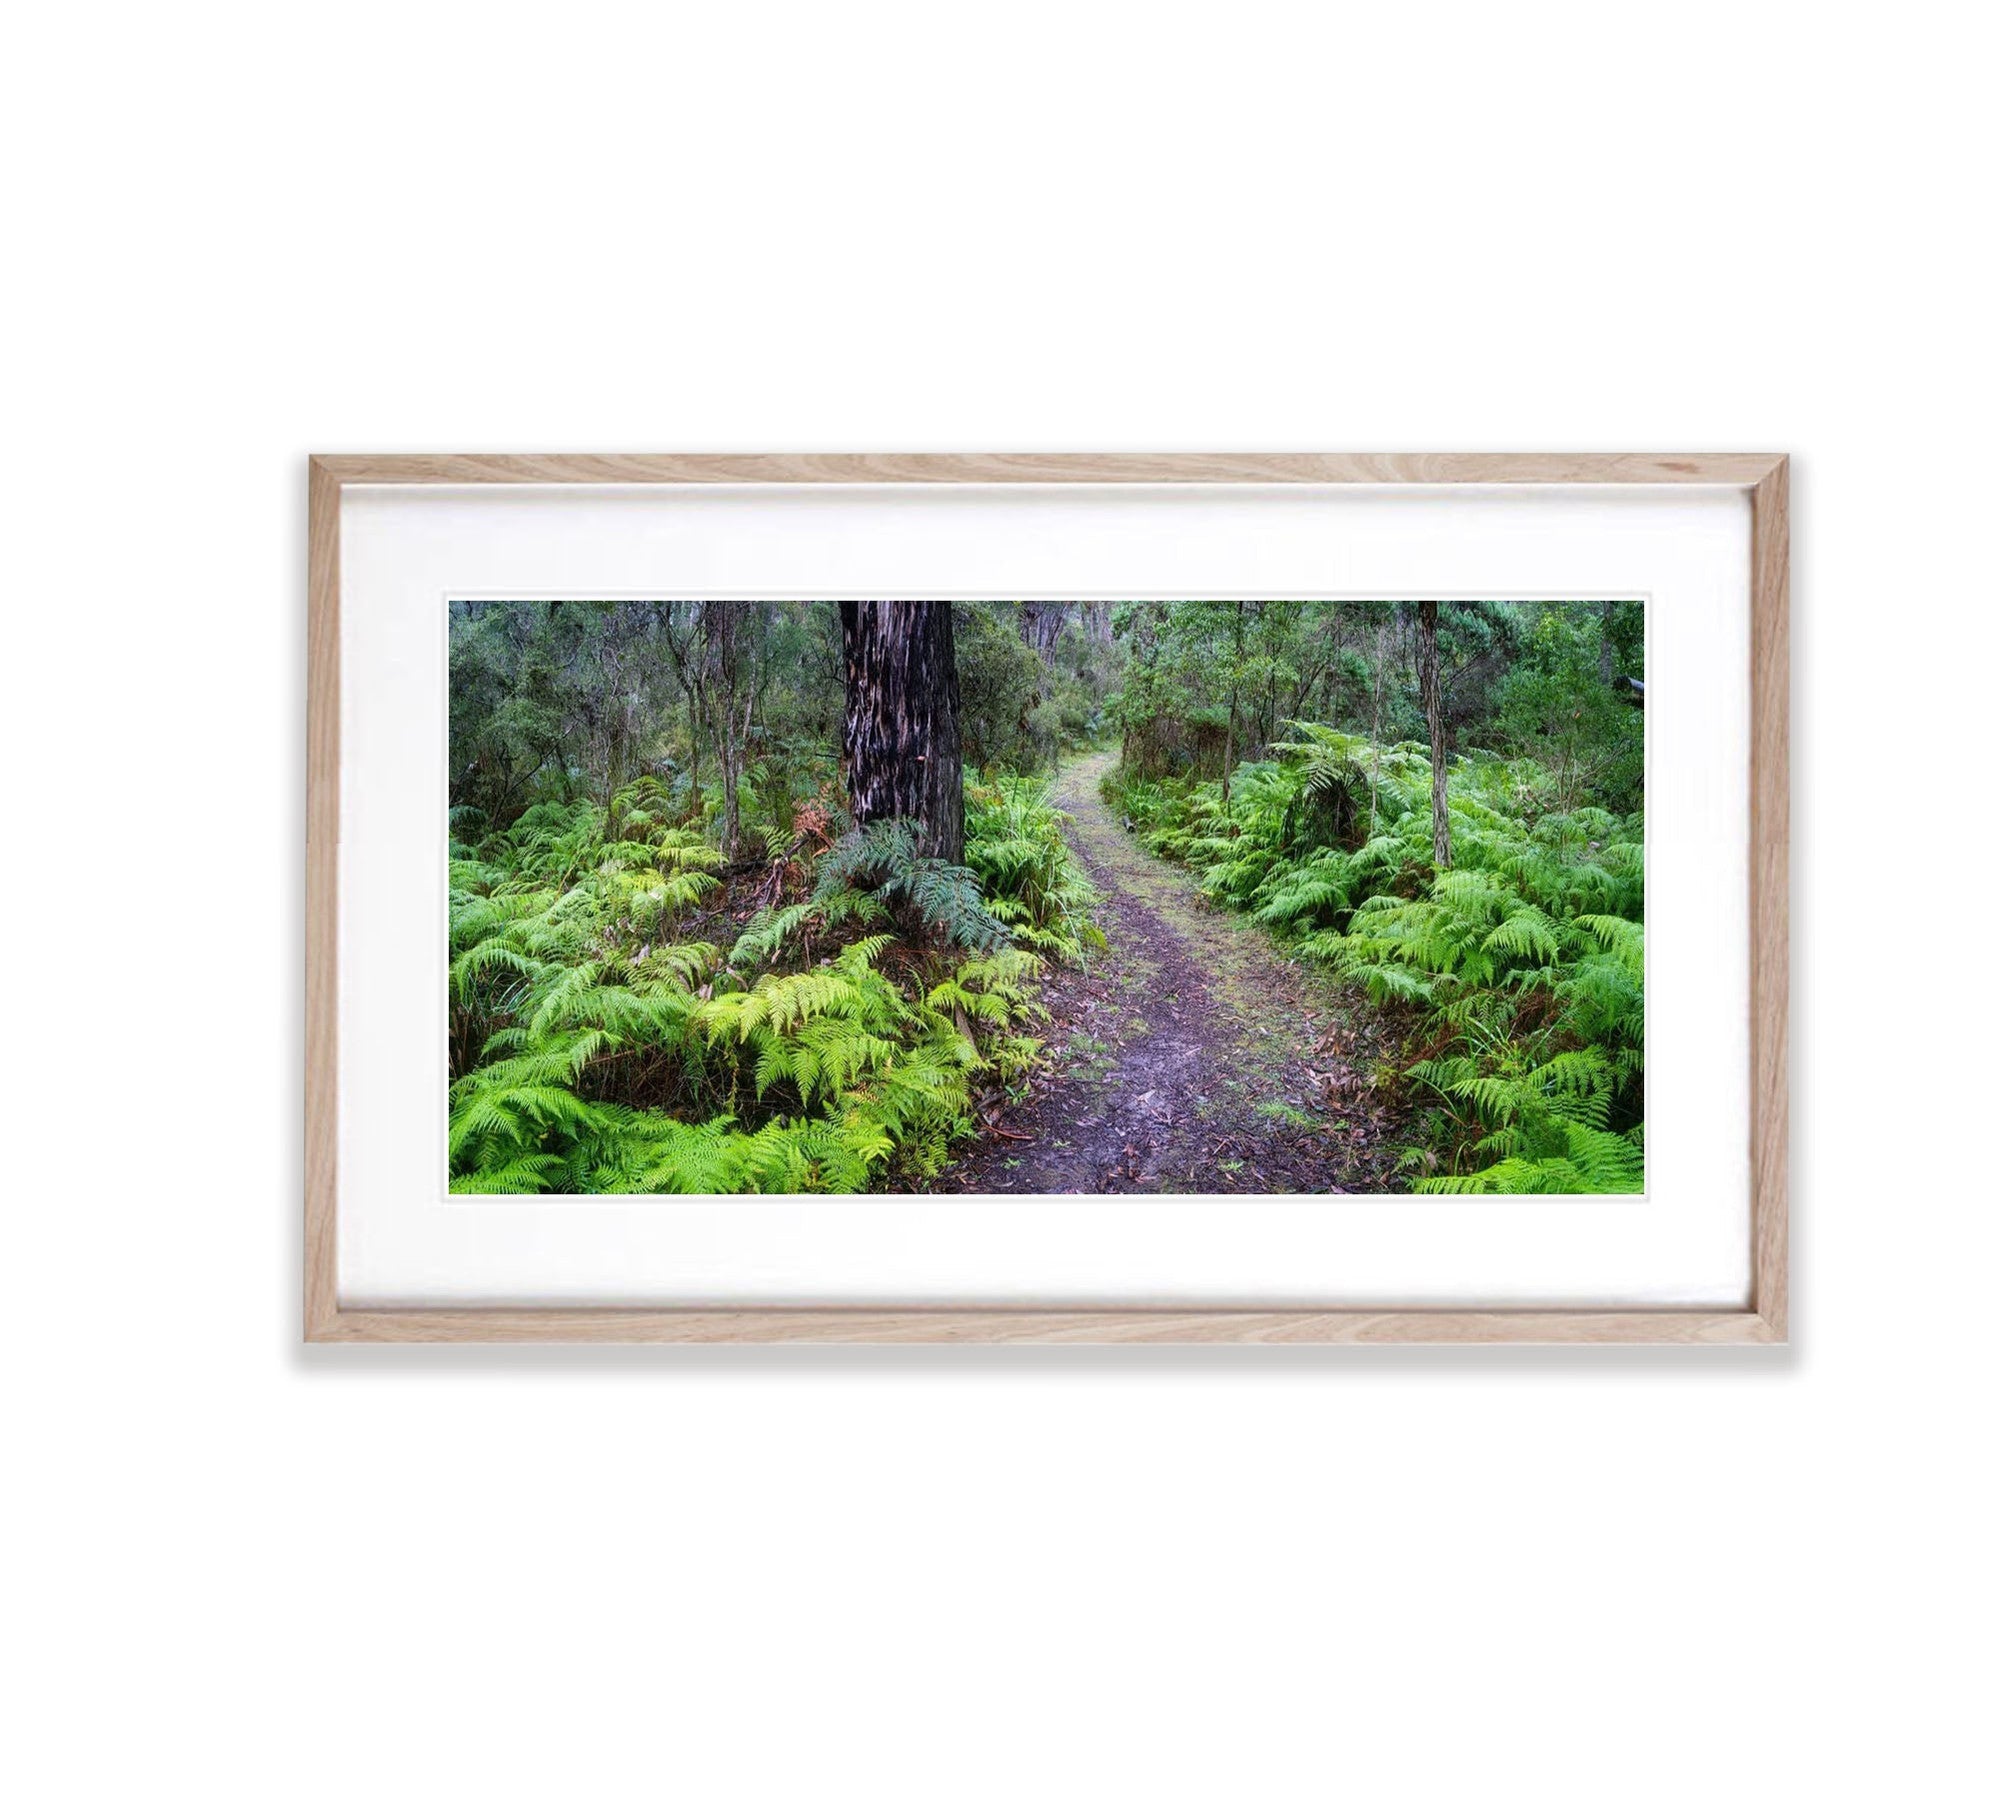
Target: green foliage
x,y
632,1009
1522,968
1000,681
941,897
601,1042
1556,703
1014,844
1019,707
1210,682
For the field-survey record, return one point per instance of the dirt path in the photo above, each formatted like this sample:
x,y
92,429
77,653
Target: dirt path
x,y
1191,1057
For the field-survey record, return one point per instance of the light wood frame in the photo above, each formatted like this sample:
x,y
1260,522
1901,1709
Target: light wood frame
x,y
1765,478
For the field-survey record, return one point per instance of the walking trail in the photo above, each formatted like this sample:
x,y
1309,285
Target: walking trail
x,y
1190,1056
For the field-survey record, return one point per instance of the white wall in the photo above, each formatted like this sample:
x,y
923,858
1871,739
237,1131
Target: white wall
x,y
241,235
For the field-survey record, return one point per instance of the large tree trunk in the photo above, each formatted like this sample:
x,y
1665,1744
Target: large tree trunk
x,y
901,742
1433,713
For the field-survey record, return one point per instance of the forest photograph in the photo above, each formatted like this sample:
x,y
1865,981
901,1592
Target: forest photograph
x,y
1046,896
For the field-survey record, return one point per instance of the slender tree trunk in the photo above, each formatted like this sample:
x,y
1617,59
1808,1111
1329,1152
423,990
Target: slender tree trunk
x,y
695,730
743,753
722,622
614,778
1433,713
690,669
1606,656
1374,731
1235,706
1139,750
1228,757
901,740
732,785
1338,667
1041,623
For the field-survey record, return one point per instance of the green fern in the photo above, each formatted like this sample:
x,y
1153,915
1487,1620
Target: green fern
x,y
1520,970
598,1046
884,858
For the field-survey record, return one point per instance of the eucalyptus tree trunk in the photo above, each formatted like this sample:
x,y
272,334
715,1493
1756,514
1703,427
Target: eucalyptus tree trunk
x,y
1041,623
1381,629
1235,707
689,656
1433,713
722,627
901,740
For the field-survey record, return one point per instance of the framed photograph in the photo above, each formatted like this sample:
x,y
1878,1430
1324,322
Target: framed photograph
x,y
1047,899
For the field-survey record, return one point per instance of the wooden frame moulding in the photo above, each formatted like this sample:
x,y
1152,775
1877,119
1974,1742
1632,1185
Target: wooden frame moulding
x,y
1764,478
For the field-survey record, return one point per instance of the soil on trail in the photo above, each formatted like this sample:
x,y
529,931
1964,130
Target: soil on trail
x,y
1191,1056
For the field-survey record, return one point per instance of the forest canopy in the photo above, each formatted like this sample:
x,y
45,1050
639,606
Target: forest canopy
x,y
777,895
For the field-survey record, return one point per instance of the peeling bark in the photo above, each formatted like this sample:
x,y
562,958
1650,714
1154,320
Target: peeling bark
x,y
901,741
